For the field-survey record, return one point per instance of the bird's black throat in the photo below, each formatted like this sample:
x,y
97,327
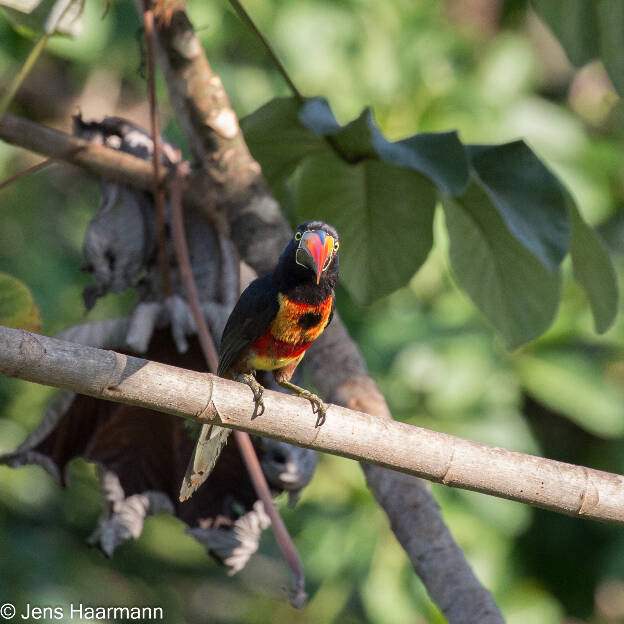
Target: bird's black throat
x,y
299,284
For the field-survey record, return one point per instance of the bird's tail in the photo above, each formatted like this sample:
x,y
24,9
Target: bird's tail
x,y
209,445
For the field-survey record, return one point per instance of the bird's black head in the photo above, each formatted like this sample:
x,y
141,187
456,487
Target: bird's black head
x,y
311,257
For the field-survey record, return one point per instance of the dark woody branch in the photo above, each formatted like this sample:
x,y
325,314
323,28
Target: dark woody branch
x,y
105,162
259,231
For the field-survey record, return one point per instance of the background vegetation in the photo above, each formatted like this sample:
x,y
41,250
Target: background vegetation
x,y
492,71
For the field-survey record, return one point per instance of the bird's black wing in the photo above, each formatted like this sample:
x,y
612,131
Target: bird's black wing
x,y
255,310
250,318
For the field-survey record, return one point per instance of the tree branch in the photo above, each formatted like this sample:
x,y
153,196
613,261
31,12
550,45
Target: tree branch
x,y
259,231
103,161
239,193
98,159
572,490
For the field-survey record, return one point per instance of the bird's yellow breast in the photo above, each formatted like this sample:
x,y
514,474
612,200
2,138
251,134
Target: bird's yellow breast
x,y
300,323
295,327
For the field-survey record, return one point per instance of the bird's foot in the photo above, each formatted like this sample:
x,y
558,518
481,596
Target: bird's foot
x,y
256,388
318,407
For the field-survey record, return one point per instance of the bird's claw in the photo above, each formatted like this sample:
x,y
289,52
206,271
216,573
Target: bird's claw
x,y
318,407
257,389
322,412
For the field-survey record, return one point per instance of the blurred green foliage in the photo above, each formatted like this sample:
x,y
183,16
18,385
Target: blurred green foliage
x,y
589,30
17,307
427,66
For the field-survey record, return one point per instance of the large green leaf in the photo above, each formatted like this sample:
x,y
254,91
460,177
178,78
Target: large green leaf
x,y
611,15
513,290
316,114
593,270
384,215
528,197
569,382
519,226
278,141
439,156
17,308
575,24
283,132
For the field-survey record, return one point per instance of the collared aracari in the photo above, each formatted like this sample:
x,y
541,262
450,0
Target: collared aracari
x,y
276,319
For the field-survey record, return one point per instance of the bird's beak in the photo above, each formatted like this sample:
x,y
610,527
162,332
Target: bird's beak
x,y
315,251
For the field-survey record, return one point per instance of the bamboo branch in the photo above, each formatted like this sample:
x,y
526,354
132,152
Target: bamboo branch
x,y
572,490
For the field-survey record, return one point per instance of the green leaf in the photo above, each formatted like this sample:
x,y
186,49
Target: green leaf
x,y
278,141
282,133
507,283
528,197
570,382
611,14
384,215
17,308
575,24
593,270
439,156
316,115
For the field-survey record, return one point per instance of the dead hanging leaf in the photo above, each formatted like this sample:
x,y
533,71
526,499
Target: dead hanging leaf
x,y
143,456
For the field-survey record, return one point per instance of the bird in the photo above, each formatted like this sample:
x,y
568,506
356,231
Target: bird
x,y
276,319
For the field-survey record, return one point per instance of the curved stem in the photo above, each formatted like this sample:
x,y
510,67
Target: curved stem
x,y
159,193
242,13
23,72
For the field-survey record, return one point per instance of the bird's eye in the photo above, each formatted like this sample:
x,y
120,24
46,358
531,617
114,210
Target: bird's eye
x,y
336,246
298,236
